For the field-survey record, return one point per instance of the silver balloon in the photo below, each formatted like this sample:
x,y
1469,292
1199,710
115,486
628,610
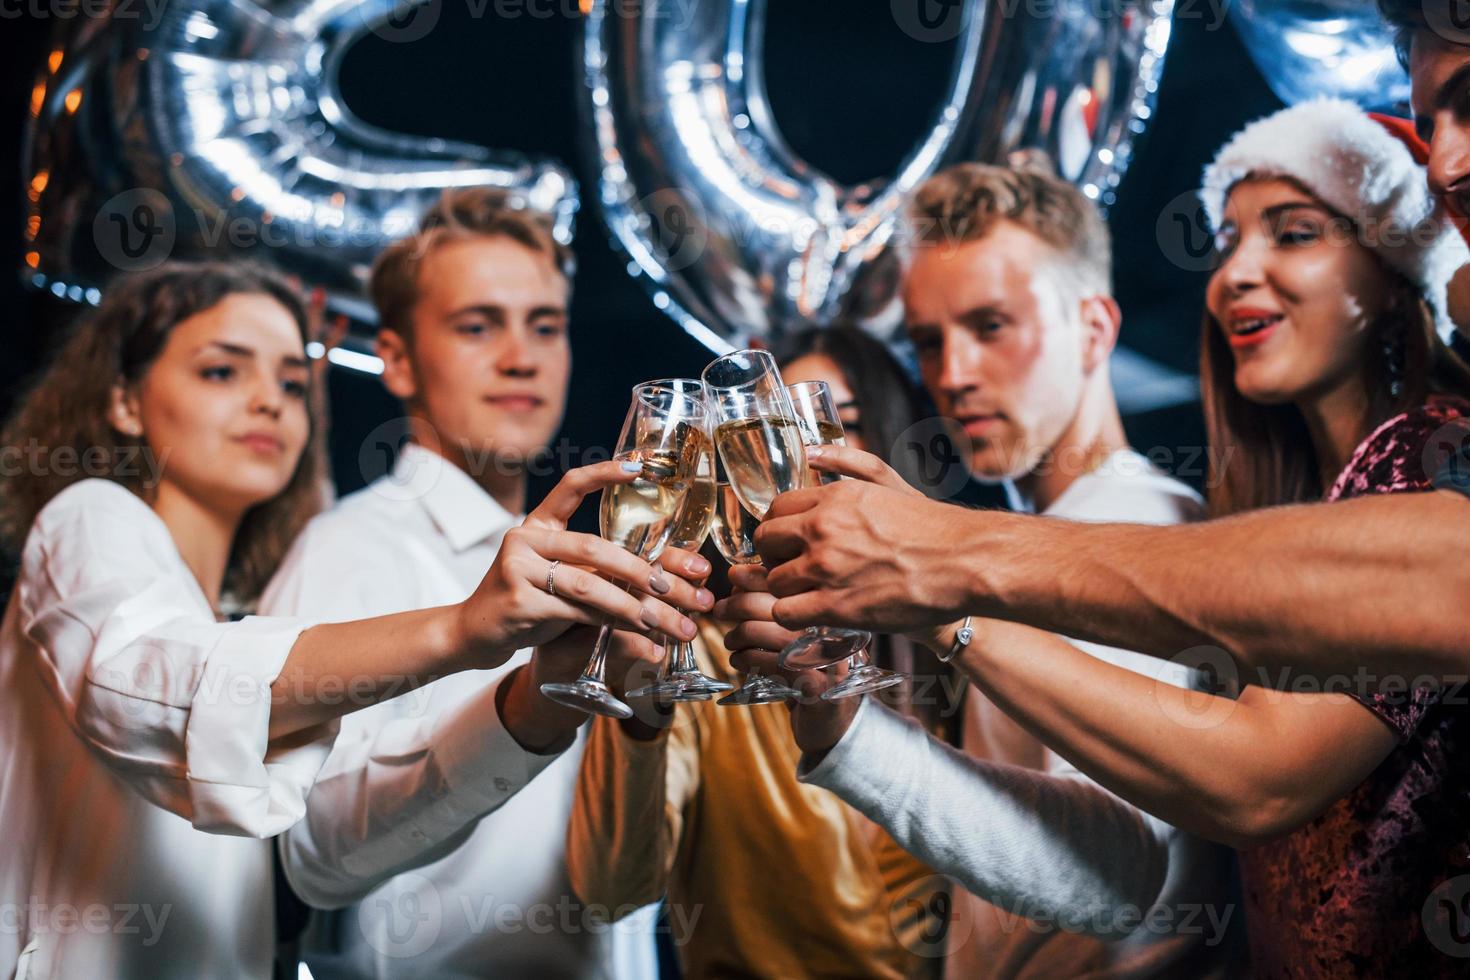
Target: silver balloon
x,y
1306,48
739,239
211,128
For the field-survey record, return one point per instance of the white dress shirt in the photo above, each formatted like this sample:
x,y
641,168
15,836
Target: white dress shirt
x,y
1029,836
447,835
137,776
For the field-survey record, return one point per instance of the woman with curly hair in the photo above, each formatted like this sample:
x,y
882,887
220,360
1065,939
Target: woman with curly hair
x,y
155,476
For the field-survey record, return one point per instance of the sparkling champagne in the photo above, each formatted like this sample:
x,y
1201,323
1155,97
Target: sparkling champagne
x,y
764,458
640,516
734,527
694,519
828,434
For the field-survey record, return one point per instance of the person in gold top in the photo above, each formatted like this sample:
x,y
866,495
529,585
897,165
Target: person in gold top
x,y
765,876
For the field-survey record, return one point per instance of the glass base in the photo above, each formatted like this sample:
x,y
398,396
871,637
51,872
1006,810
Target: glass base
x,y
760,690
823,646
863,680
691,686
693,680
587,695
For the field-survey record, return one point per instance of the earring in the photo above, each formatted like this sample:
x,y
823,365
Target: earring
x,y
1393,362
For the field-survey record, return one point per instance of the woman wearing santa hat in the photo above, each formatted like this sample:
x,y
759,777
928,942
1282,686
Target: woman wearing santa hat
x,y
1325,376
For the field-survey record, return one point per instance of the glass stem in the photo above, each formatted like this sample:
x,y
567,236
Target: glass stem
x,y
596,671
670,660
683,658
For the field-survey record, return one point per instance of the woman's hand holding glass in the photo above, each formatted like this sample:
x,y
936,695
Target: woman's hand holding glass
x,y
663,437
681,679
511,608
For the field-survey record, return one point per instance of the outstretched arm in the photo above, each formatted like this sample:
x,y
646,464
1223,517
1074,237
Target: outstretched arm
x,y
1194,759
1316,589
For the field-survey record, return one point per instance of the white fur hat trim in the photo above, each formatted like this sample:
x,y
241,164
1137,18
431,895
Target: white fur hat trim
x,y
1357,168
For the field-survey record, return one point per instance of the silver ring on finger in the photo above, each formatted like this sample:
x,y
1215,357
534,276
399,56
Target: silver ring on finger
x,y
551,577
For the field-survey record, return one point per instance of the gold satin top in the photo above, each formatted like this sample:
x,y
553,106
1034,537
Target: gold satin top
x,y
765,876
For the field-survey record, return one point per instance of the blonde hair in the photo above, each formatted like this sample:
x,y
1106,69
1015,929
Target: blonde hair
x,y
963,203
459,214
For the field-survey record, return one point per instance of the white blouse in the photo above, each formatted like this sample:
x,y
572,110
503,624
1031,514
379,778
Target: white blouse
x,y
138,781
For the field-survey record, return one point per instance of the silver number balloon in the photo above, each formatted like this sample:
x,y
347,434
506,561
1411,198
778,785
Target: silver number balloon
x,y
1340,48
738,238
215,127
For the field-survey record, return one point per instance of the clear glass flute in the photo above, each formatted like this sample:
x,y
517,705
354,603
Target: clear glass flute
x,y
820,646
760,446
665,430
734,535
681,679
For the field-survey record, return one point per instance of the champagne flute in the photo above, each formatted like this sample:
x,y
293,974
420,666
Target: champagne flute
x,y
734,535
760,445
821,646
665,430
682,680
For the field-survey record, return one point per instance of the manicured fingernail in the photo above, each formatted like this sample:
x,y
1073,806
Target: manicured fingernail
x,y
696,565
648,616
657,582
631,466
705,598
686,628
813,452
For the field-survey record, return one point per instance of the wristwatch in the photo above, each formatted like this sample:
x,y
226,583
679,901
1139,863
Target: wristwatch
x,y
962,639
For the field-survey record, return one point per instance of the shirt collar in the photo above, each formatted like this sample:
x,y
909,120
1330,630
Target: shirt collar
x,y
1023,504
459,507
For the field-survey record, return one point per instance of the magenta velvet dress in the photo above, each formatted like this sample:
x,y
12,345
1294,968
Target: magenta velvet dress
x,y
1346,894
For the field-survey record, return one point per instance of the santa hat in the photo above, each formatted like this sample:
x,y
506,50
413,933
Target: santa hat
x,y
1363,169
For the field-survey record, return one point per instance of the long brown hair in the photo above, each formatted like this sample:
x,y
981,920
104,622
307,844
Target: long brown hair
x,y
67,409
1263,454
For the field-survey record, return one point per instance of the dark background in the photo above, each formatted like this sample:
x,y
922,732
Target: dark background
x,y
850,91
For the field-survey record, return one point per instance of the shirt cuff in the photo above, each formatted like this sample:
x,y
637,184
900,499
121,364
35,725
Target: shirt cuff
x,y
480,760
233,789
861,765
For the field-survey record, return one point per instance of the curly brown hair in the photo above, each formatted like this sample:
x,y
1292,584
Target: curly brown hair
x,y
66,411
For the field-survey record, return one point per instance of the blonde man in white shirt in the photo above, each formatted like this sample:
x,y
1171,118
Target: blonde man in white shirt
x,y
442,815
1007,300
161,467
